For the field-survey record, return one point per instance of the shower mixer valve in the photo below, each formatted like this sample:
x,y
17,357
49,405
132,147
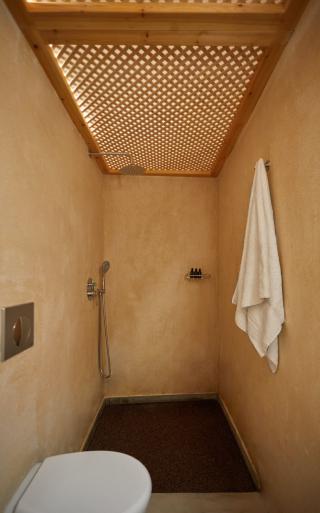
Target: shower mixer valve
x,y
92,289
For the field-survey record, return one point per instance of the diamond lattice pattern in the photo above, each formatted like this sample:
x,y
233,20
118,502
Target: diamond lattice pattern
x,y
170,107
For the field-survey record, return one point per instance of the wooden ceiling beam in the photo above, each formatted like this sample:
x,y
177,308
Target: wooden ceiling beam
x,y
163,37
184,174
155,23
143,9
89,22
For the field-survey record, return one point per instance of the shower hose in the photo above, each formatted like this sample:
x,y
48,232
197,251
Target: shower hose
x,y
104,361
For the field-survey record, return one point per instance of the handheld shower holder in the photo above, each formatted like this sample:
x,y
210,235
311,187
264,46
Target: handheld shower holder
x,y
92,290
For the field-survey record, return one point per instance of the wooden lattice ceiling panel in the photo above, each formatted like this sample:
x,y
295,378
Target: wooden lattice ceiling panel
x,y
172,82
170,107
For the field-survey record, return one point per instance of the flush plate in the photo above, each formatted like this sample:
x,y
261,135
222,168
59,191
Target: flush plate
x,y
16,329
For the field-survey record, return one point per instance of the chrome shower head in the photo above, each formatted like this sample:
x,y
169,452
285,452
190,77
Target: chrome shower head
x,y
132,169
105,266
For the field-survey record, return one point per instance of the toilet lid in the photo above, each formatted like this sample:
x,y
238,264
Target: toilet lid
x,y
88,482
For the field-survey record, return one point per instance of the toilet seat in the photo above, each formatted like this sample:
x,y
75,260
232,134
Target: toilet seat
x,y
88,482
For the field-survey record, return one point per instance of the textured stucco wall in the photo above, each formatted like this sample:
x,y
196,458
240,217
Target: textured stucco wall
x,y
279,415
51,241
162,327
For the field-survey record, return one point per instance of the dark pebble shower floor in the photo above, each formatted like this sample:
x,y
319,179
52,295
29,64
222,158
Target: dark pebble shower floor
x,y
187,446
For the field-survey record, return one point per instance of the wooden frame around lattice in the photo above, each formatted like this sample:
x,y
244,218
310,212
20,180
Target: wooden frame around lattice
x,y
172,82
248,2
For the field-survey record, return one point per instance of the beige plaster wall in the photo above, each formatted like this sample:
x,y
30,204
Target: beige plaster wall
x,y
50,240
279,415
162,327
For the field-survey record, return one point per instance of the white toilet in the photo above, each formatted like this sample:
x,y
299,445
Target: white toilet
x,y
84,482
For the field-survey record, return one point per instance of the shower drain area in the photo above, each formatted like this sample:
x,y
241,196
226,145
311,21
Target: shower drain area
x,y
187,446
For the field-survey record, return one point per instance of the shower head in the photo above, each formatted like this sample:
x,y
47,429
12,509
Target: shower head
x,y
105,267
132,169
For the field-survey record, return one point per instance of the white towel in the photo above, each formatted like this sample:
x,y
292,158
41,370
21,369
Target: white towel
x,y
258,293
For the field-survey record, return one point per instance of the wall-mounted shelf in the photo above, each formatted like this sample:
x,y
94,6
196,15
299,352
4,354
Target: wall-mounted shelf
x,y
191,277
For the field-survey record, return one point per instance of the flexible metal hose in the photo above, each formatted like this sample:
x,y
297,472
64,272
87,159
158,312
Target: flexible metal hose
x,y
103,332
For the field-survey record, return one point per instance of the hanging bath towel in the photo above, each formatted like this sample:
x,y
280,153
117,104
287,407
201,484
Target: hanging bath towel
x,y
258,293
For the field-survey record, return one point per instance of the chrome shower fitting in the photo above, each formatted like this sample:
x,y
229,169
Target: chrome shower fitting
x,y
104,359
104,269
130,169
105,266
92,289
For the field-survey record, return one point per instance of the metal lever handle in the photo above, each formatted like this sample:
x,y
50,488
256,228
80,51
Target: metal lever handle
x,y
91,289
